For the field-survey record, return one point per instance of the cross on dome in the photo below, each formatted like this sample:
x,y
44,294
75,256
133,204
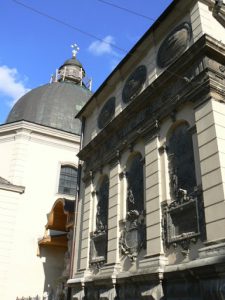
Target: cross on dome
x,y
75,49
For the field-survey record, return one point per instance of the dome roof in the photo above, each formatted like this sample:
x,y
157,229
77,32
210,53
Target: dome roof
x,y
72,62
54,105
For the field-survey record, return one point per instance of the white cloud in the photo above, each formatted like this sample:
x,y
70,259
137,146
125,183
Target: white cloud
x,y
103,47
11,85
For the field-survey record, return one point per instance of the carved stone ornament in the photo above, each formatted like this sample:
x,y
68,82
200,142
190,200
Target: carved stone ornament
x,y
133,238
174,45
98,249
134,84
107,113
183,221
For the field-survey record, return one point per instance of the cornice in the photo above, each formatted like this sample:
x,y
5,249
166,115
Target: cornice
x,y
12,188
29,127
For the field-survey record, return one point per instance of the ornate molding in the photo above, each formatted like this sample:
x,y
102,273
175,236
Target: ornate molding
x,y
133,235
98,249
184,221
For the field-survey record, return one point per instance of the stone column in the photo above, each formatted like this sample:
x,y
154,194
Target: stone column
x,y
210,124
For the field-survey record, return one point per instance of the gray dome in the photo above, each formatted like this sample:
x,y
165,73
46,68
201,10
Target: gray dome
x,y
53,105
72,62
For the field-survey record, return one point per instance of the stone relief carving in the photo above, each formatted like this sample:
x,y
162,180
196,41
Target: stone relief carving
x,y
134,84
107,113
133,237
174,45
219,11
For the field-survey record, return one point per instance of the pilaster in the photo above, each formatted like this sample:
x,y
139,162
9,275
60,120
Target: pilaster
x,y
85,219
210,120
114,213
153,197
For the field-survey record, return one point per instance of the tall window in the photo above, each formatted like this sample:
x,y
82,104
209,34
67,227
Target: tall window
x,y
181,161
99,238
135,192
102,206
184,215
68,180
133,234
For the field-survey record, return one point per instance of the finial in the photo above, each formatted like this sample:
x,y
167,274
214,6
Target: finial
x,y
75,49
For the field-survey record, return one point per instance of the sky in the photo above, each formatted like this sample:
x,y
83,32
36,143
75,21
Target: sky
x,y
36,41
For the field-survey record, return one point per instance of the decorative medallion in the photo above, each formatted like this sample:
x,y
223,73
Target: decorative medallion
x,y
133,236
178,230
134,84
107,113
174,45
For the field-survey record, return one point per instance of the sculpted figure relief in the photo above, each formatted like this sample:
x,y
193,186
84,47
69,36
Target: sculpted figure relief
x,y
134,84
106,113
174,45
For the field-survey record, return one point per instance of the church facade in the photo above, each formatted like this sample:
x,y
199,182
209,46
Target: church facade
x,y
151,208
38,146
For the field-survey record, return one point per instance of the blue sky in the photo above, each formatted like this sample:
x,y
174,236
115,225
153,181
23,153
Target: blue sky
x,y
34,46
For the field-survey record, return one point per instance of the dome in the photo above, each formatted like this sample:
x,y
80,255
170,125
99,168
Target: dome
x,y
72,62
54,105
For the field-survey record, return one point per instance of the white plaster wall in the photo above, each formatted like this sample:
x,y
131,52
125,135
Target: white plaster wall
x,y
6,149
9,203
37,167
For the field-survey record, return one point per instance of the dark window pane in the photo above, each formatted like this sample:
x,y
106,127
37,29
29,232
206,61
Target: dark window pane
x,y
181,160
135,200
102,206
68,180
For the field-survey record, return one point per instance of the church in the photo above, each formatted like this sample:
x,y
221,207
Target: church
x,y
38,175
140,212
150,221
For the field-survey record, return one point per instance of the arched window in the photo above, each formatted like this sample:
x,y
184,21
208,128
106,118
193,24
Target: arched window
x,y
182,222
181,161
102,206
68,180
133,235
135,191
99,238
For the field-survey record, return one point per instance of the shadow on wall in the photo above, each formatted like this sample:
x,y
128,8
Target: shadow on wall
x,y
53,265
